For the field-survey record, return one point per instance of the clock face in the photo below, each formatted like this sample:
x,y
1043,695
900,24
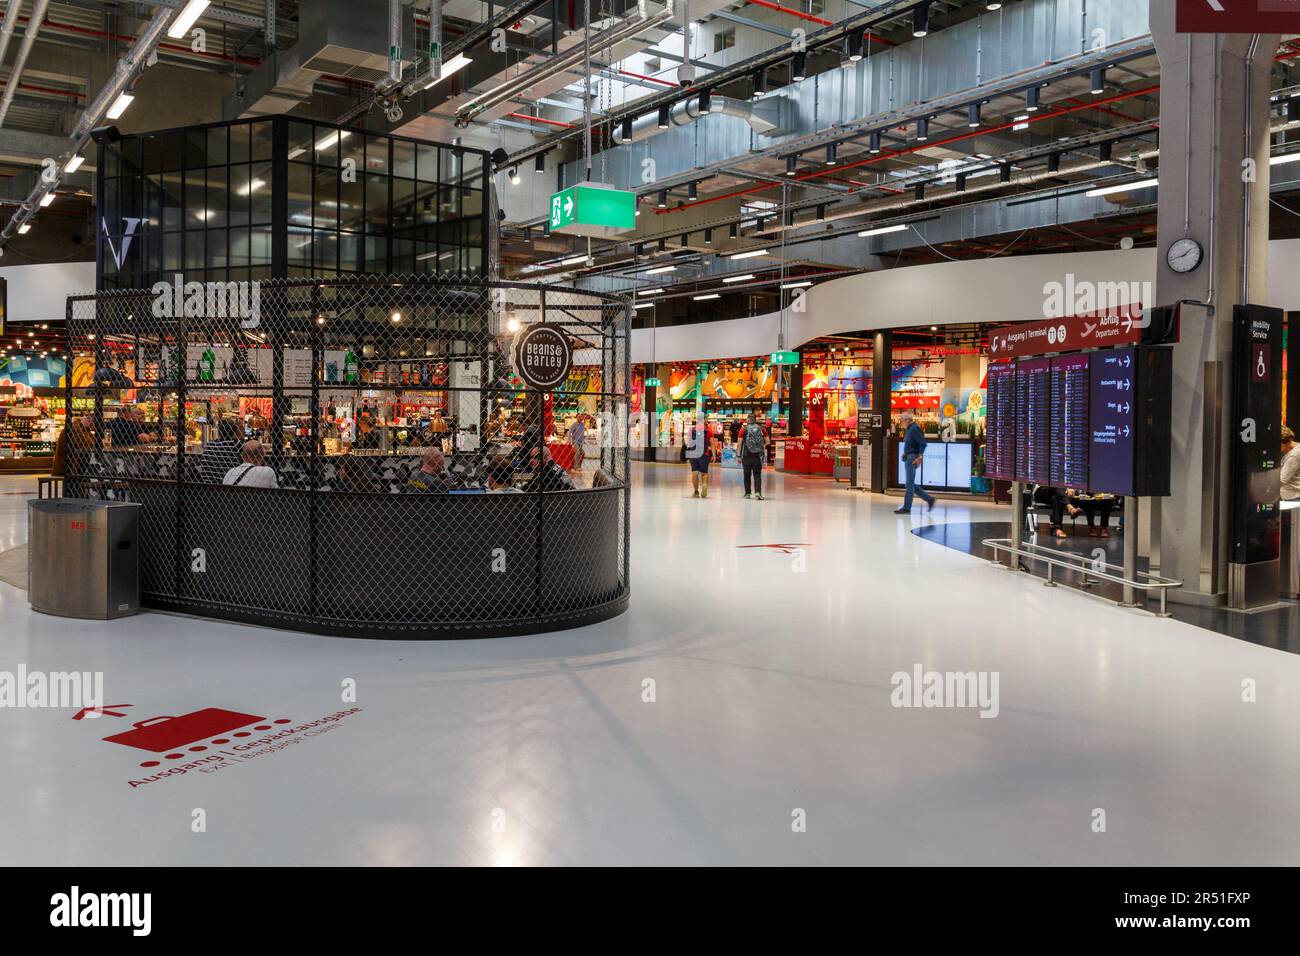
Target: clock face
x,y
1184,255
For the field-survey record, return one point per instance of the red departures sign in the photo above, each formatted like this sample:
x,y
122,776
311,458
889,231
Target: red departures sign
x,y
1238,16
1123,326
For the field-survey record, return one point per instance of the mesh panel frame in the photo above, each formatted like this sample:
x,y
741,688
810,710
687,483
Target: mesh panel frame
x,y
352,541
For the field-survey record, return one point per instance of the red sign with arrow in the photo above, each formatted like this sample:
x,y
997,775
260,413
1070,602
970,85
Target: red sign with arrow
x,y
1237,16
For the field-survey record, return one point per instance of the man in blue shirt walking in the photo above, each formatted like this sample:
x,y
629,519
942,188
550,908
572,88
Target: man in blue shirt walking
x,y
913,450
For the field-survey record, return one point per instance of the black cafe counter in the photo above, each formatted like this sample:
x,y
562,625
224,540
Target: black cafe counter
x,y
382,564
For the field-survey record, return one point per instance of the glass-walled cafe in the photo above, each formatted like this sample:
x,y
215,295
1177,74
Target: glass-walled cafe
x,y
286,198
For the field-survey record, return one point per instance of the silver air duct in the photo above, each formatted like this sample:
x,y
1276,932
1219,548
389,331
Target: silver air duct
x,y
24,50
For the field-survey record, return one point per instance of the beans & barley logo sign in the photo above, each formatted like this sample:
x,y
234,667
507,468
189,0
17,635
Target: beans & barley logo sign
x,y
542,357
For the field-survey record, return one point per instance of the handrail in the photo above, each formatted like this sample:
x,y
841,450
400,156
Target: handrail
x,y
1082,563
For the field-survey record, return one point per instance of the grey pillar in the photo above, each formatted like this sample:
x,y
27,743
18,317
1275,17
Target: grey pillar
x,y
1213,116
882,362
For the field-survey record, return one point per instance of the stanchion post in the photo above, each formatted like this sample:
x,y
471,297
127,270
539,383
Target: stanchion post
x,y
1130,550
1017,523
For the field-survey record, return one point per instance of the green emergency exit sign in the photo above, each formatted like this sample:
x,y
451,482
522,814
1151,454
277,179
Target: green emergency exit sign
x,y
593,209
785,358
652,383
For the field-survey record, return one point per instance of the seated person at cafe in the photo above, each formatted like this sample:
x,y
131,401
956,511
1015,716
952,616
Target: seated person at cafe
x,y
222,454
430,478
351,474
500,480
253,472
547,475
129,428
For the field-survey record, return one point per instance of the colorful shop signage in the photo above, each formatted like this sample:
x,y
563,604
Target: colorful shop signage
x,y
542,357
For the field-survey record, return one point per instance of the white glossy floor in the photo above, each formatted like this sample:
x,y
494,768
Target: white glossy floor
x,y
773,693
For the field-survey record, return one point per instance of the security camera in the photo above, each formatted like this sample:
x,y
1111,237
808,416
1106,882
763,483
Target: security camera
x,y
686,74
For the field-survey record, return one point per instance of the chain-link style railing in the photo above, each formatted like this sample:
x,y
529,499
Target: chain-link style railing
x,y
359,456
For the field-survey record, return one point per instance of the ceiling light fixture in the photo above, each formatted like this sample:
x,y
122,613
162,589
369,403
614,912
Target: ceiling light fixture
x,y
185,19
921,20
660,270
882,230
710,295
791,165
1098,80
973,115
922,129
120,105
74,164
1126,187
830,154
454,65
752,253
744,278
799,67
47,199
663,117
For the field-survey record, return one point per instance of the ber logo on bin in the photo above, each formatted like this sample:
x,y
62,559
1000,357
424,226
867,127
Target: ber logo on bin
x,y
542,357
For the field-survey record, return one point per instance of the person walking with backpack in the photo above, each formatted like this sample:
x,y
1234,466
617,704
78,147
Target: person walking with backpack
x,y
753,455
913,452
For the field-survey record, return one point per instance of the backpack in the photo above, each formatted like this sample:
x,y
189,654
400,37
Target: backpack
x,y
755,440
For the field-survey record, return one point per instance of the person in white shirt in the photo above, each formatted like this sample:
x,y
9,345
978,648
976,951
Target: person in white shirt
x,y
253,472
1290,466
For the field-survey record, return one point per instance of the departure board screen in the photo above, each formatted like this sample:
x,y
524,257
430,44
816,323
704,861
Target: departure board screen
x,y
1069,446
1034,410
1000,423
1111,422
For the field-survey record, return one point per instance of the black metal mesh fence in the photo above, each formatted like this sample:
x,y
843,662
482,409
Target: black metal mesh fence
x,y
358,456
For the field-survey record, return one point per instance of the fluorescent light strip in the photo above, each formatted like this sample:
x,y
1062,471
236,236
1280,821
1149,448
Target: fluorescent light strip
x,y
882,230
739,278
185,19
648,291
1284,158
797,285
661,270
454,65
47,199
330,139
296,152
252,187
1126,187
644,305
24,229
711,295
119,106
574,261
74,164
749,255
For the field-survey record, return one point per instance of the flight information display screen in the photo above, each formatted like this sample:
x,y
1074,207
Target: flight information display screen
x,y
1112,422
1069,445
1000,422
1034,409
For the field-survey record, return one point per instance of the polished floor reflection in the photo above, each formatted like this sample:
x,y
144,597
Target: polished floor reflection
x,y
739,713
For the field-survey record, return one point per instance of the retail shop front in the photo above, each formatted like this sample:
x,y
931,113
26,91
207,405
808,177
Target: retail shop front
x,y
321,447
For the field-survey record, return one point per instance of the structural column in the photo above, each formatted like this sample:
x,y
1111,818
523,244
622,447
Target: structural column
x,y
882,364
1214,115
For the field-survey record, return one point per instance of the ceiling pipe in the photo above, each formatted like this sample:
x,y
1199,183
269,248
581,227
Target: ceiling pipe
x,y
128,68
565,61
7,26
435,40
394,43
24,50
685,112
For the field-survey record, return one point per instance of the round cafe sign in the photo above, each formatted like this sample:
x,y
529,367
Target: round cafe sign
x,y
542,357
